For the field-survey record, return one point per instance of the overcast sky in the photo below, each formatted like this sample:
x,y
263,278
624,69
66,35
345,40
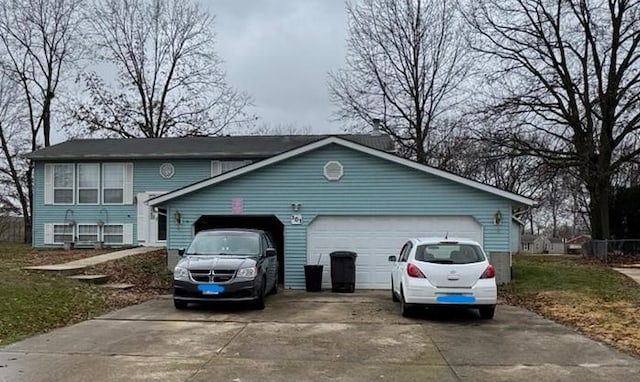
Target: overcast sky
x,y
280,52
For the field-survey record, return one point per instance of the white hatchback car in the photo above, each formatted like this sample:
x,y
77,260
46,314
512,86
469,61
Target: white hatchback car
x,y
436,272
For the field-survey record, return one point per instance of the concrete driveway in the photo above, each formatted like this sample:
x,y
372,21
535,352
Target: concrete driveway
x,y
313,337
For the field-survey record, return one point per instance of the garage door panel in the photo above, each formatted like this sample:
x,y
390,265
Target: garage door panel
x,y
375,238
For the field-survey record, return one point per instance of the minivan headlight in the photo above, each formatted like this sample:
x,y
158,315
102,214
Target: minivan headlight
x,y
247,273
180,273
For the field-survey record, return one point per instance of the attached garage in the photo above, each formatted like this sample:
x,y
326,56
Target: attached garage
x,y
375,238
336,194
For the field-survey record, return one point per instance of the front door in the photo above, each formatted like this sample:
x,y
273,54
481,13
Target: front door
x,y
152,222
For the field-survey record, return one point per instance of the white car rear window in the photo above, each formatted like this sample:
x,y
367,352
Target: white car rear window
x,y
449,253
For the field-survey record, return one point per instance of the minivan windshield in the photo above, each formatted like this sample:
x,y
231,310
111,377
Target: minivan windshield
x,y
449,253
225,243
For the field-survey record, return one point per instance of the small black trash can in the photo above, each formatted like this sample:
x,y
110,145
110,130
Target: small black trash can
x,y
343,271
313,278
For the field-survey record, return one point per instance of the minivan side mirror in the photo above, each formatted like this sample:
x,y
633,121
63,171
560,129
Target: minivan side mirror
x,y
180,251
271,252
393,258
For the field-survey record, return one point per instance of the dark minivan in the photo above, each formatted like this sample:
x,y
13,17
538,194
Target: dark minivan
x,y
234,265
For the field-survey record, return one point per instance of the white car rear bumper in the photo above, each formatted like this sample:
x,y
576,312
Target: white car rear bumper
x,y
420,291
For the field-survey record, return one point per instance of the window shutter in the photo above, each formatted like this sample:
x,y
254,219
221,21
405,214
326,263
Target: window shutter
x,y
128,183
143,217
127,233
48,185
216,168
48,233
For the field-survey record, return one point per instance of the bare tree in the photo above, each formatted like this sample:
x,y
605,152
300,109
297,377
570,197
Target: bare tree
x,y
405,67
38,45
281,129
39,40
14,197
170,79
566,71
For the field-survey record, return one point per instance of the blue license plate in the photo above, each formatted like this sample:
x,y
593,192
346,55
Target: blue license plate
x,y
455,299
210,288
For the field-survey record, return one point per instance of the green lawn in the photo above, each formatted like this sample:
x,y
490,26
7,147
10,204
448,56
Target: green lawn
x,y
590,296
535,274
32,303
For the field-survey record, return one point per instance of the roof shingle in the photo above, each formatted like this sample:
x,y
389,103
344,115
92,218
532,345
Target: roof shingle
x,y
222,147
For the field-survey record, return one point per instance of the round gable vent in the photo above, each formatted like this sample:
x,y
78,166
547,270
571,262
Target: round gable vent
x,y
167,170
333,170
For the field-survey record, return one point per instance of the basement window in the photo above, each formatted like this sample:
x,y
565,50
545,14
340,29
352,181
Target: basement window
x,y
113,234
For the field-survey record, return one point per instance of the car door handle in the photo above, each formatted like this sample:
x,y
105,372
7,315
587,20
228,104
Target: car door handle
x,y
453,278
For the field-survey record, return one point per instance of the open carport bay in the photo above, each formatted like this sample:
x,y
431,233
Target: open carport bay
x,y
313,337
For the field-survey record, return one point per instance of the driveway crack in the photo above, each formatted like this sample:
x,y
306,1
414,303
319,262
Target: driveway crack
x,y
220,350
449,365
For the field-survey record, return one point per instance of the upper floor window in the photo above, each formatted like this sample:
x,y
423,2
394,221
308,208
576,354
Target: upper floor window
x,y
221,166
113,183
63,175
88,183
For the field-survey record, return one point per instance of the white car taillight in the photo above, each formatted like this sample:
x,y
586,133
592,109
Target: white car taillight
x,y
414,271
488,273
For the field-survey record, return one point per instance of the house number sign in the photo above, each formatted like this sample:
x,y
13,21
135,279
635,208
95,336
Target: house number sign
x,y
296,219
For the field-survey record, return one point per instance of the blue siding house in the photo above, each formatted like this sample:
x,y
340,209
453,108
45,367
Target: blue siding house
x,y
314,194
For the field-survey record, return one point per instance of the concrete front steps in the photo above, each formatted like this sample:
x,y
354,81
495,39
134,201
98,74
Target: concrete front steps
x,y
91,279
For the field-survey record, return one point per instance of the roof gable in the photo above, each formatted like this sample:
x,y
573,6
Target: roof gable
x,y
348,144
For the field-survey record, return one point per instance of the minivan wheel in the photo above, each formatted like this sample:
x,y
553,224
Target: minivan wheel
x,y
275,286
179,304
487,312
259,304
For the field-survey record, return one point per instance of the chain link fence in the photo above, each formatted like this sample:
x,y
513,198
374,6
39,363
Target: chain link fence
x,y
611,251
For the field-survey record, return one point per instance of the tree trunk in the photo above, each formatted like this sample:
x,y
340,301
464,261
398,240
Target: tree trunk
x,y
29,213
599,209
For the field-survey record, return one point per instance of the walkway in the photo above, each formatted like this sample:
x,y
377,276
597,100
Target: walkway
x,y
79,265
633,272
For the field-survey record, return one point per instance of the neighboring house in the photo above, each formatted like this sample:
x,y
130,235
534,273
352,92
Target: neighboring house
x,y
574,245
316,195
542,244
527,243
556,245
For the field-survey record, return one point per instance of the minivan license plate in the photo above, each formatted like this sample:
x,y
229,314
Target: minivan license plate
x,y
210,288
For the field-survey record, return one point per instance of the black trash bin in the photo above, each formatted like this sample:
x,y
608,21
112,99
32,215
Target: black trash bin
x,y
313,278
343,271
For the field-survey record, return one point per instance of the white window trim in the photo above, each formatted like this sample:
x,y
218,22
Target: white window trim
x,y
102,188
98,189
90,225
53,185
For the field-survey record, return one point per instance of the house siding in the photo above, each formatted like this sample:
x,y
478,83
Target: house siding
x,y
146,177
369,186
515,236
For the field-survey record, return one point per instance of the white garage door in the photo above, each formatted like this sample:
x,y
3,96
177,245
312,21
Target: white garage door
x,y
375,238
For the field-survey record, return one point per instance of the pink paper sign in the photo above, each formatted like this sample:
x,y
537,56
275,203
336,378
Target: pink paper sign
x,y
237,206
